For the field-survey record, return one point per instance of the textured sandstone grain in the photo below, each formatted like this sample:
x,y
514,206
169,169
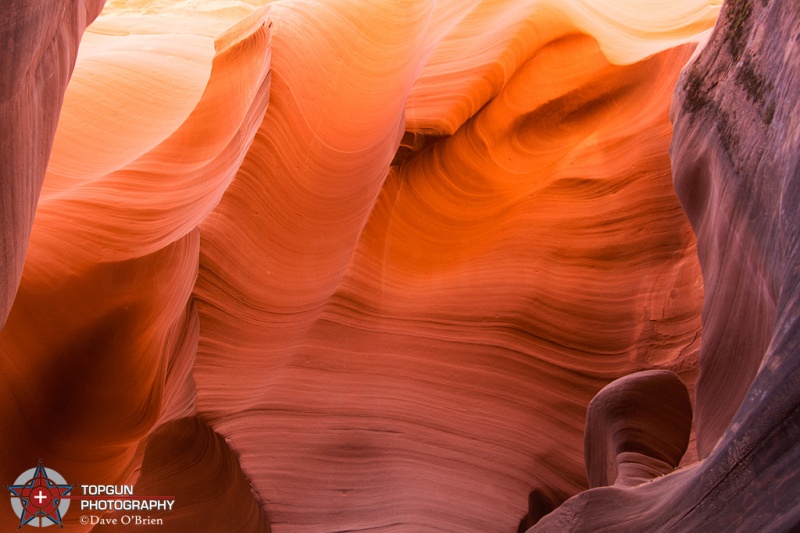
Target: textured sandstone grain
x,y
367,263
99,346
40,41
637,429
736,161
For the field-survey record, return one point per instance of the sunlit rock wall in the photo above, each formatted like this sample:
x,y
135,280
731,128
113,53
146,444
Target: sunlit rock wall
x,y
99,346
364,263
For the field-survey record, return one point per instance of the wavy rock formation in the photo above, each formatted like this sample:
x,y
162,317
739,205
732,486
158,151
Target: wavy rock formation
x,y
40,42
99,346
366,263
412,346
737,174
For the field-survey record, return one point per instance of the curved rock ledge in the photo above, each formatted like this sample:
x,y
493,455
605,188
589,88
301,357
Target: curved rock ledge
x,y
637,429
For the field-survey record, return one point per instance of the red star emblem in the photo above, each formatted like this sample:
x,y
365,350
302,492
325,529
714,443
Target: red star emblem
x,y
40,497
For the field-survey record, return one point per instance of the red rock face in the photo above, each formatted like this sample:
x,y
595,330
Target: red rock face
x,y
366,264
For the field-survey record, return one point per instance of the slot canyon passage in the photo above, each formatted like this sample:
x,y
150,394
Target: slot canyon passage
x,y
408,266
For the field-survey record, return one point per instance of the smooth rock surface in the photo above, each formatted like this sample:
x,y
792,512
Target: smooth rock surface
x,y
99,347
637,429
736,162
412,347
40,41
368,262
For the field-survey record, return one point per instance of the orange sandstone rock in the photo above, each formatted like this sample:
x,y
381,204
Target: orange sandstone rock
x,y
372,258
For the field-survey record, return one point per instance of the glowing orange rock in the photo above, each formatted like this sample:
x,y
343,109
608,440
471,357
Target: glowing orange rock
x,y
389,294
416,344
103,314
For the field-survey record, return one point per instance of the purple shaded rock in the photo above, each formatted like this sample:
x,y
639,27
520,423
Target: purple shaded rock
x,y
637,429
736,164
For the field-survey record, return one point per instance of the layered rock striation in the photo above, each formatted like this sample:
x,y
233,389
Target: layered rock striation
x,y
40,42
736,170
367,263
99,347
